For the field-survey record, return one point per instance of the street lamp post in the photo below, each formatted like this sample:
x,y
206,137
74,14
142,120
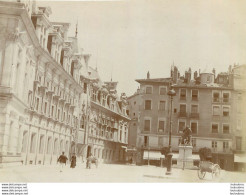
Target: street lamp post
x,y
170,93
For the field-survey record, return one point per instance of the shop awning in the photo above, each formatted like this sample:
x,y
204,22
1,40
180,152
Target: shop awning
x,y
153,155
240,158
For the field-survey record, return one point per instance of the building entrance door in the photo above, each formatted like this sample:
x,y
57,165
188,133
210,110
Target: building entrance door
x,y
88,151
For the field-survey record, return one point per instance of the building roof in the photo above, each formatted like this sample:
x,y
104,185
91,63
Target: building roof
x,y
193,84
156,80
93,75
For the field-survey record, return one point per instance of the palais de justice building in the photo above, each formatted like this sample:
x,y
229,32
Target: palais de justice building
x,y
47,88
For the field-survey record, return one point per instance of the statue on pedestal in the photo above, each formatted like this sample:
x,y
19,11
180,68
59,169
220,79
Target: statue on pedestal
x,y
186,136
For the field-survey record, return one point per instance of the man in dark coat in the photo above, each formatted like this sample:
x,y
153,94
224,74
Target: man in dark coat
x,y
62,160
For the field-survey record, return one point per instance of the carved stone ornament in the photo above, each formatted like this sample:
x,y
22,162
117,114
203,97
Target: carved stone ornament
x,y
14,36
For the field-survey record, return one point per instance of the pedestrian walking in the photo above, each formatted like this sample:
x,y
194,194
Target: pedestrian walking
x,y
73,161
62,160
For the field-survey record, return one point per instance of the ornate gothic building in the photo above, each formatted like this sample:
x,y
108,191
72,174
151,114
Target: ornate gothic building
x,y
45,89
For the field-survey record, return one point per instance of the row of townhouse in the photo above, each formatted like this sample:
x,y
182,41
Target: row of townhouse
x,y
45,91
208,104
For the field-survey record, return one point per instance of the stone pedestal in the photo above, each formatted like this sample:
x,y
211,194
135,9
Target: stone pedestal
x,y
185,157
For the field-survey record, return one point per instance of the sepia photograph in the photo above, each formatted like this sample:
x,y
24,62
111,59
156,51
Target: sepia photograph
x,y
122,91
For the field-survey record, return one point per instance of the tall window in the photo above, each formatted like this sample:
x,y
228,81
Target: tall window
x,y
85,87
37,103
214,145
181,126
33,143
161,125
226,97
147,104
163,90
225,111
194,127
24,141
225,145
162,105
216,110
215,128
194,93
41,144
226,128
72,68
82,123
147,125
182,108
55,146
216,97
182,94
148,90
49,144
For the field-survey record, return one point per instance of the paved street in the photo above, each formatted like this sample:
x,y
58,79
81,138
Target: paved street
x,y
109,173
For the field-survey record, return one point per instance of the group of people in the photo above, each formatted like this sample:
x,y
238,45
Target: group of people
x,y
63,161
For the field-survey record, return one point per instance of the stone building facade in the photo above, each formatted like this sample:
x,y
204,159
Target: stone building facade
x,y
206,104
108,126
239,123
45,91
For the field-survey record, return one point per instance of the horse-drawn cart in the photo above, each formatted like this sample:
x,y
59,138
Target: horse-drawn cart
x,y
206,166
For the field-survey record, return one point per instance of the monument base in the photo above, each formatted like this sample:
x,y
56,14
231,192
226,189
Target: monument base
x,y
185,157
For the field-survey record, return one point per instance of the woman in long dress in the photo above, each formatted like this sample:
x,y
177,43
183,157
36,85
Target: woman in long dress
x,y
73,161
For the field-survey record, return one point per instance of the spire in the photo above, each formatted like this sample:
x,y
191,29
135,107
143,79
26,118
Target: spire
x,y
76,31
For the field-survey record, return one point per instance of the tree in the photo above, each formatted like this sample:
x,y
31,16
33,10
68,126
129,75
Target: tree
x,y
205,153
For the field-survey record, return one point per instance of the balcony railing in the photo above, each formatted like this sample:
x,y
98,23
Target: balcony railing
x,y
182,97
216,100
221,100
194,98
194,115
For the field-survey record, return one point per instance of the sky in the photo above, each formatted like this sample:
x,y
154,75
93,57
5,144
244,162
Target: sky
x,y
126,39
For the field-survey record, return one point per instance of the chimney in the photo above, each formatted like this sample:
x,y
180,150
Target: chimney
x,y
189,75
186,77
148,75
195,75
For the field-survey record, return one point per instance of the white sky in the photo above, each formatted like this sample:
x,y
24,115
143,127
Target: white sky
x,y
128,38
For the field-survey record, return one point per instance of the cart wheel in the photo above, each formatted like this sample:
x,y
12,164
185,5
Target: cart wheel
x,y
201,174
216,171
